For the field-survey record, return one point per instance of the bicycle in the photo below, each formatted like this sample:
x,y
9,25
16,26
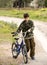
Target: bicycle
x,y
17,48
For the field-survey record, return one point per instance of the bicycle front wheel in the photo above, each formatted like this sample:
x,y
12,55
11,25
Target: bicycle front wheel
x,y
14,52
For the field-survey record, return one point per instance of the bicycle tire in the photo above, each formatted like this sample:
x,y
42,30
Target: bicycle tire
x,y
14,50
24,52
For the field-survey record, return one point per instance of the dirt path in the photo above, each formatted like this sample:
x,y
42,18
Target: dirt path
x,y
6,56
40,56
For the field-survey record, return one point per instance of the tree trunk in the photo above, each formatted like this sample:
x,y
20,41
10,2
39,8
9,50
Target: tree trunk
x,y
35,4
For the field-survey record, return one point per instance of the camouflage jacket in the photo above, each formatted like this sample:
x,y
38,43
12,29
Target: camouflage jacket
x,y
24,26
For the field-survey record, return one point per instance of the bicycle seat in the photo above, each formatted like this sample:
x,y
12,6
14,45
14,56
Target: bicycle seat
x,y
16,38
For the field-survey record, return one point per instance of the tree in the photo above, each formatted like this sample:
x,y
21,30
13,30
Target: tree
x,y
35,3
27,2
45,3
6,3
22,3
41,3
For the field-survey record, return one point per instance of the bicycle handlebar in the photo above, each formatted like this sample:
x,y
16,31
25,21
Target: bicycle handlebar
x,y
16,33
24,33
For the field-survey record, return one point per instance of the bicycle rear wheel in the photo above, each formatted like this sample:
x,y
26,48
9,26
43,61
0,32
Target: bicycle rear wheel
x,y
24,52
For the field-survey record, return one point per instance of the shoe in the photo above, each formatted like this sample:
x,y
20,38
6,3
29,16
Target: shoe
x,y
32,58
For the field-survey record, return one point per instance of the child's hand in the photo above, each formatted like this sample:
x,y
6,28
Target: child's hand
x,y
29,30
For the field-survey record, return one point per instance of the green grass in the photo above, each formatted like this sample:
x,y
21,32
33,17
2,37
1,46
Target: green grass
x,y
40,14
7,28
5,31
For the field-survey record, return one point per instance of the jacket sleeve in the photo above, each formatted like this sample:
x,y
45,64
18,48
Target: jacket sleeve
x,y
20,28
32,26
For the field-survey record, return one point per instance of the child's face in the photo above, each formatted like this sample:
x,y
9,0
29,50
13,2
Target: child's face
x,y
27,18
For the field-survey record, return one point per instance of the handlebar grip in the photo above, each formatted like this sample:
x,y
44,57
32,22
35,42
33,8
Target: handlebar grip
x,y
12,32
13,35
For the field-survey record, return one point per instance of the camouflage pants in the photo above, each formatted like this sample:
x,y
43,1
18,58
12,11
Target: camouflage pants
x,y
30,44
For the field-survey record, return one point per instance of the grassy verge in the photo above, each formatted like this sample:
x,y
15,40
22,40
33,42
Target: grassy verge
x,y
40,14
5,31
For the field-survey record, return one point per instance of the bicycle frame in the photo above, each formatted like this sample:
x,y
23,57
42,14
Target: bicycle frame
x,y
19,46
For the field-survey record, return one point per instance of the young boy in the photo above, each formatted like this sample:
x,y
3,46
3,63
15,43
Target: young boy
x,y
24,26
